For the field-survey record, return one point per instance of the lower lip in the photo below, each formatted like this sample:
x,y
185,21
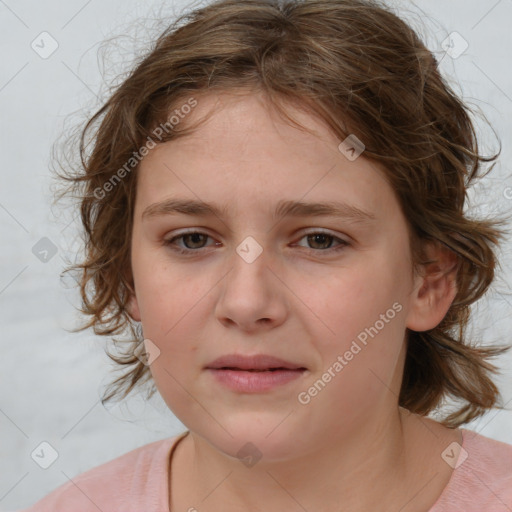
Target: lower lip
x,y
255,382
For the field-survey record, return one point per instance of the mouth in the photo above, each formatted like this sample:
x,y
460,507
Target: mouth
x,y
259,369
245,378
254,363
260,373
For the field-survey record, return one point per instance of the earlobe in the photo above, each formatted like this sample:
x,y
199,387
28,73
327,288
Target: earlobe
x,y
434,290
133,308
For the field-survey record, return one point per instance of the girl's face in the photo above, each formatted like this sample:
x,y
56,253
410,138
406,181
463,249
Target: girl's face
x,y
331,293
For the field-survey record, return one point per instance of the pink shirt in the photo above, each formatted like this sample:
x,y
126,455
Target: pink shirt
x,y
138,481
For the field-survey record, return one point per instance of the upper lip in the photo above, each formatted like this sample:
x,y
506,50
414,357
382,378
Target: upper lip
x,y
255,362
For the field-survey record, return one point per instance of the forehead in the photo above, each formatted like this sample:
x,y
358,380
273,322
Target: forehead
x,y
239,117
246,152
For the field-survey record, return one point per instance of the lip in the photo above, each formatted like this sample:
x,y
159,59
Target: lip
x,y
254,362
254,374
251,381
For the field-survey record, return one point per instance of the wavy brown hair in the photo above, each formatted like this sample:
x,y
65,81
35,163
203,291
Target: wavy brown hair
x,y
363,71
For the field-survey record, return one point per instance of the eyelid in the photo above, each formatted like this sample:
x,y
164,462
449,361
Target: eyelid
x,y
202,231
342,242
314,231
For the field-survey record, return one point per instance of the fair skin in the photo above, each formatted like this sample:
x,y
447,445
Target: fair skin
x,y
350,447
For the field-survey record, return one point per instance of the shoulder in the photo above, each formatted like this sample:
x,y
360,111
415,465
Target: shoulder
x,y
490,461
482,478
135,478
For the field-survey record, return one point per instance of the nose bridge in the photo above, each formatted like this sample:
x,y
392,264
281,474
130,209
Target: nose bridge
x,y
249,249
249,265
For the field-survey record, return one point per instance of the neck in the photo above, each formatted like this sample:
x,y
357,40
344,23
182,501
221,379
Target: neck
x,y
374,467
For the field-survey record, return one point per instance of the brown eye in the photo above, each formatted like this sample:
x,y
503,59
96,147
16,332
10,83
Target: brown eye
x,y
193,241
320,239
322,242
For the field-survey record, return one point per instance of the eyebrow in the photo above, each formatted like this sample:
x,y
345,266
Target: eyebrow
x,y
283,209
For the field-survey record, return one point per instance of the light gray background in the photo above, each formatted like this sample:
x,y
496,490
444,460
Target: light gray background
x,y
51,379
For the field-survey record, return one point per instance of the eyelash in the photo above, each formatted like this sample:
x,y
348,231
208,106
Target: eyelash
x,y
188,252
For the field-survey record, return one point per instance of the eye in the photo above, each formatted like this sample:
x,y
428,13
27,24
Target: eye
x,y
324,240
192,240
195,240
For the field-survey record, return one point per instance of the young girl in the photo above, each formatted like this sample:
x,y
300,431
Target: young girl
x,y
274,210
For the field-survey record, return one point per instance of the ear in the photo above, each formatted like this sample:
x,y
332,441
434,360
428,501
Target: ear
x,y
133,307
434,290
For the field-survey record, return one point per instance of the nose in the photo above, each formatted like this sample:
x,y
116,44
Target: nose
x,y
253,294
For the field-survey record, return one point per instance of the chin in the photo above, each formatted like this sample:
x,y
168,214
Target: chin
x,y
254,437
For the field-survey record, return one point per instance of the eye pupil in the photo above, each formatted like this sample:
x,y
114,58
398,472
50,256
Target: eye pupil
x,y
193,236
189,240
320,238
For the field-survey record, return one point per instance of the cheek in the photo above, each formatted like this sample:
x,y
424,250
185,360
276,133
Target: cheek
x,y
173,307
170,302
164,291
354,298
361,317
